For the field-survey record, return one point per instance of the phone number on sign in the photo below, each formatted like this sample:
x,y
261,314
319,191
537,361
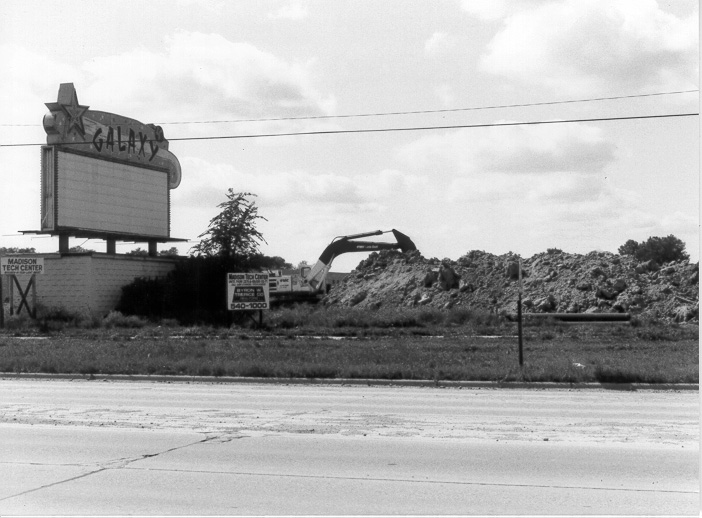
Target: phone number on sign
x,y
249,305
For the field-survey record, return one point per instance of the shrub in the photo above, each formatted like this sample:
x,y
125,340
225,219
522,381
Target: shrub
x,y
429,316
58,314
193,293
660,249
18,322
143,297
117,319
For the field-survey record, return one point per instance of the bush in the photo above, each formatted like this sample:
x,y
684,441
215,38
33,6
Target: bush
x,y
117,319
57,314
660,249
194,293
143,297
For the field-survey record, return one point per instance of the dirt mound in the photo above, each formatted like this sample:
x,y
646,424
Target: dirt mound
x,y
554,282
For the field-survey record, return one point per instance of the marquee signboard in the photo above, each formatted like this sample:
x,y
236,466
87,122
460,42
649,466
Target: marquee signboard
x,y
104,175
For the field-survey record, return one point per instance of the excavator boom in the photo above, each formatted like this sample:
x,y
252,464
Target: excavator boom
x,y
343,244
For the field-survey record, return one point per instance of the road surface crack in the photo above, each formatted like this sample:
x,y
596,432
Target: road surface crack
x,y
428,481
114,464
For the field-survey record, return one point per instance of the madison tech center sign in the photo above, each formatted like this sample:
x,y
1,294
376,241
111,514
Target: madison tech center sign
x,y
104,175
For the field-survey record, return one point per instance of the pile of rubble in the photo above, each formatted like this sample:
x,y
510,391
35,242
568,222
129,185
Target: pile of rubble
x,y
553,282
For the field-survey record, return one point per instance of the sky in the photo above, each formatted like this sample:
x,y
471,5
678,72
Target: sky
x,y
326,68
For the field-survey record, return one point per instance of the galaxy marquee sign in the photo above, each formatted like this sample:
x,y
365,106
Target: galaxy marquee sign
x,y
130,145
103,174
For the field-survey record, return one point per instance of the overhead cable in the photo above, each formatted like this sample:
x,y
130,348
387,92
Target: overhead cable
x,y
422,112
410,112
411,128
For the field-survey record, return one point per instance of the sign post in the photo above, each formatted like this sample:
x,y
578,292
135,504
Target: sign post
x,y
519,316
20,266
248,292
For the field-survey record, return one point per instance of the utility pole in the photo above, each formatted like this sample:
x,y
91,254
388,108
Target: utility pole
x,y
519,316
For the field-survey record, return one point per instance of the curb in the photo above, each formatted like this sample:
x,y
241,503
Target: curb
x,y
631,387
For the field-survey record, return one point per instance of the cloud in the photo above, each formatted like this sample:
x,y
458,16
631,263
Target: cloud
x,y
293,10
439,43
204,75
513,149
540,178
485,9
206,184
644,225
20,194
548,148
304,210
577,48
26,78
445,93
195,76
554,189
213,6
491,10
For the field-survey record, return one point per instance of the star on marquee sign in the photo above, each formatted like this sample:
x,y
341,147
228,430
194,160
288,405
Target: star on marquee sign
x,y
68,104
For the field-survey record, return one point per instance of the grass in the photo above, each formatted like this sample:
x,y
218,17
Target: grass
x,y
303,342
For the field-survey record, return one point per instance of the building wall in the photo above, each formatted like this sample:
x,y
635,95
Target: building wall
x,y
90,282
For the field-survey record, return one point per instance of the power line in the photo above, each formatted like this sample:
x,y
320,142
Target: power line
x,y
422,112
412,128
427,128
411,112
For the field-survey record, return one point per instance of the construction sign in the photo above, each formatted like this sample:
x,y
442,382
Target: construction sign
x,y
21,265
247,291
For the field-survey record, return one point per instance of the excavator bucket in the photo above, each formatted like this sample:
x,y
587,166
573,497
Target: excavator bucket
x,y
406,244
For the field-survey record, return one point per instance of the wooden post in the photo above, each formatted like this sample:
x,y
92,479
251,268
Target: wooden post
x,y
519,317
2,307
33,313
12,295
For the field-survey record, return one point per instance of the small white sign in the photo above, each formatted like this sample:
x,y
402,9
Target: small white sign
x,y
283,284
21,265
247,291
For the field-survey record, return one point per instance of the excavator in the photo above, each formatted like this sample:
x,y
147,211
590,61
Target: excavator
x,y
310,283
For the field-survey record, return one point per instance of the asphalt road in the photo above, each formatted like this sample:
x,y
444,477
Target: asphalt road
x,y
102,447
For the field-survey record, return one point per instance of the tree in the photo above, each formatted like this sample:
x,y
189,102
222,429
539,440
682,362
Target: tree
x,y
660,249
629,248
232,233
138,252
171,252
15,250
79,250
